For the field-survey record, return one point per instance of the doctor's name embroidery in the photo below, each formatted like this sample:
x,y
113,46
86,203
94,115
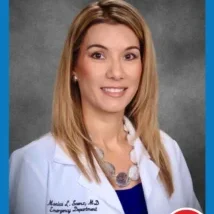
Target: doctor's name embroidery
x,y
72,206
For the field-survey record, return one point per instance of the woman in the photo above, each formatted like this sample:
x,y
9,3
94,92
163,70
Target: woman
x,y
105,153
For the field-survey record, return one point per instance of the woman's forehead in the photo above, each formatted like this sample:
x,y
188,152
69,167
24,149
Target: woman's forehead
x,y
110,35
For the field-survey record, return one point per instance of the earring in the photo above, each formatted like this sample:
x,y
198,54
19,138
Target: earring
x,y
75,78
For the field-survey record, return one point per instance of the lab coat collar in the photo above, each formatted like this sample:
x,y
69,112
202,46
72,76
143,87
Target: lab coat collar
x,y
61,157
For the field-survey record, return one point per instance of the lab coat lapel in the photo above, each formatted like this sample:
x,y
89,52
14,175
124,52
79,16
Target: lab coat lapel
x,y
155,194
104,191
147,168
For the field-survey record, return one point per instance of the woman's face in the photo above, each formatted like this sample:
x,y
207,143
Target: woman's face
x,y
108,67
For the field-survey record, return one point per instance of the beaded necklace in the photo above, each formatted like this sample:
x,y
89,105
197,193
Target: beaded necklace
x,y
122,179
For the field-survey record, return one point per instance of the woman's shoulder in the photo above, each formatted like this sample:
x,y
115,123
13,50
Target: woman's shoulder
x,y
167,140
181,174
172,148
38,151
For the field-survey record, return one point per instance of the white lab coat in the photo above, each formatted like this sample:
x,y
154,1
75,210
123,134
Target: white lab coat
x,y
44,180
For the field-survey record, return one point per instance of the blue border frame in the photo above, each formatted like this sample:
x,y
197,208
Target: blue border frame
x,y
209,107
4,89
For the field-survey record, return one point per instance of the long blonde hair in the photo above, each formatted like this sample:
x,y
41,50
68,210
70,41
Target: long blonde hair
x,y
67,119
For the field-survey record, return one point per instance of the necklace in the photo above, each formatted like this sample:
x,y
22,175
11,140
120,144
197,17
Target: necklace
x,y
122,179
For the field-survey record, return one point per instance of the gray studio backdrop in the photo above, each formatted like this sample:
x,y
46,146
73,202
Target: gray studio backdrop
x,y
38,30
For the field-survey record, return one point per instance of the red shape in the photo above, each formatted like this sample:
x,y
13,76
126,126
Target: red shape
x,y
186,212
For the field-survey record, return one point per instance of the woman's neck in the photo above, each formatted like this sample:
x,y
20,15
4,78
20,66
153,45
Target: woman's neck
x,y
105,129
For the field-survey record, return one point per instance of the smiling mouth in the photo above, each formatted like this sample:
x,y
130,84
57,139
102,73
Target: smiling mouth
x,y
113,90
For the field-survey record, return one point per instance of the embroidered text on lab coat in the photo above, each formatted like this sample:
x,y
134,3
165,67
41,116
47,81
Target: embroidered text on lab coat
x,y
72,206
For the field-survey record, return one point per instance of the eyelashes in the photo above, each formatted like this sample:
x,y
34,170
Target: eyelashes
x,y
130,56
101,56
97,55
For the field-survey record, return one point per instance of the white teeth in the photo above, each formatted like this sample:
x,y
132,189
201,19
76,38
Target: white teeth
x,y
114,90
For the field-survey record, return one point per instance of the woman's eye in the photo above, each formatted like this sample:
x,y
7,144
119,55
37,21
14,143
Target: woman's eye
x,y
130,56
97,55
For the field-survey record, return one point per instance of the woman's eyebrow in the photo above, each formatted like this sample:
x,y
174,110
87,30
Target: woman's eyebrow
x,y
103,47
97,46
132,47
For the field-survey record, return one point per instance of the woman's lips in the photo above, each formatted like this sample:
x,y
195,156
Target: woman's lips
x,y
114,91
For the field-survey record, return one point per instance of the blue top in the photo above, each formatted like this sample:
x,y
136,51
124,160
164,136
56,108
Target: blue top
x,y
133,200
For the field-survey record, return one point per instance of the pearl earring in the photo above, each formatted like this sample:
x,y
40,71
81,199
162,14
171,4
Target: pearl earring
x,y
75,78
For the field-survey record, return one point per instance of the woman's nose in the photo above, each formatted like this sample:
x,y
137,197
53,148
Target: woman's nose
x,y
115,70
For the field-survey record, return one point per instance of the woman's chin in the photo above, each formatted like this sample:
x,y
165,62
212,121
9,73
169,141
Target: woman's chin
x,y
114,109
